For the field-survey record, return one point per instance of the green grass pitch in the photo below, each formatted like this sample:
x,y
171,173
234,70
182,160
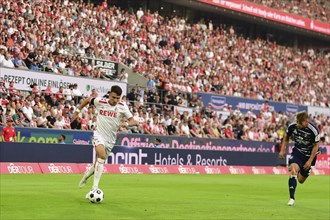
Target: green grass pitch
x,y
133,196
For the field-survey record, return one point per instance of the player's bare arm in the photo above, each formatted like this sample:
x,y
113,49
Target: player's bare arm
x,y
283,147
81,106
132,122
308,163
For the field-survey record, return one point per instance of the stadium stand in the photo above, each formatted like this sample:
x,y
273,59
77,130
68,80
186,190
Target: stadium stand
x,y
185,56
175,55
316,10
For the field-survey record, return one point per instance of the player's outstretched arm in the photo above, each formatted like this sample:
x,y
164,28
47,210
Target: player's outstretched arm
x,y
283,147
132,122
81,106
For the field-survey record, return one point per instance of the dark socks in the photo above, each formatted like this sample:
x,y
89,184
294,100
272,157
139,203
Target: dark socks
x,y
292,185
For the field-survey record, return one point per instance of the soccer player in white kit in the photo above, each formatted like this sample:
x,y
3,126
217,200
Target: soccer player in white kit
x,y
109,114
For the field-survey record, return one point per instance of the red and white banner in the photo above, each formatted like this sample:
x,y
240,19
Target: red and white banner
x,y
72,168
85,167
60,168
323,161
271,14
19,168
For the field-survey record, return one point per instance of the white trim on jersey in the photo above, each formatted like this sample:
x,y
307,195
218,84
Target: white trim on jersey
x,y
314,130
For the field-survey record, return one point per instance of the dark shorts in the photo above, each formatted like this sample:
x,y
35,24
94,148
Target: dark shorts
x,y
300,159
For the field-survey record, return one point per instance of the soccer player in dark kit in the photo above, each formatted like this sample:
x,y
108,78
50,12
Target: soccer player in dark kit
x,y
303,156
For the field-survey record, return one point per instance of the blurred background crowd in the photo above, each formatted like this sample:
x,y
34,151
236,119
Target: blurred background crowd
x,y
176,56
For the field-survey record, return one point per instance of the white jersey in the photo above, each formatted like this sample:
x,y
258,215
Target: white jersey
x,y
109,118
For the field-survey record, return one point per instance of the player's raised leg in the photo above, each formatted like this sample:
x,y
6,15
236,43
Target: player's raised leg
x,y
87,174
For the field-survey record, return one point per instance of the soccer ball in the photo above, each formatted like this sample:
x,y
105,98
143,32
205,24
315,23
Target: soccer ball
x,y
96,196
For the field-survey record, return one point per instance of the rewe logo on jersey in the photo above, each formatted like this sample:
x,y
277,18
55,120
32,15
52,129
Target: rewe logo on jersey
x,y
108,113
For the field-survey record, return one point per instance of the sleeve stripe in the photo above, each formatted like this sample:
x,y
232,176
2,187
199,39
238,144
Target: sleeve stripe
x,y
314,130
291,124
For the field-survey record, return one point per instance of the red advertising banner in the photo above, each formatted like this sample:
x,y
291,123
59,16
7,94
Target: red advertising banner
x,y
321,171
59,168
271,14
19,168
323,161
84,167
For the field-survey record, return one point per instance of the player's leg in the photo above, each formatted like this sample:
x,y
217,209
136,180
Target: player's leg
x,y
304,174
99,164
97,139
98,167
295,165
301,178
87,174
294,170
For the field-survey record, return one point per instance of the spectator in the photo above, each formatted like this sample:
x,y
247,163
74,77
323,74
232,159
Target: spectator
x,y
42,121
158,143
60,123
51,119
3,88
61,139
184,131
28,111
139,14
7,62
171,128
151,84
9,132
92,123
123,76
76,93
19,62
68,93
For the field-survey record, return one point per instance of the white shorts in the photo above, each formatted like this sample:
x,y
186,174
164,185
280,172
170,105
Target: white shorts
x,y
99,140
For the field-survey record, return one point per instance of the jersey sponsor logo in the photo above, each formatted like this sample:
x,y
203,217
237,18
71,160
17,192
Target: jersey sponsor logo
x,y
108,113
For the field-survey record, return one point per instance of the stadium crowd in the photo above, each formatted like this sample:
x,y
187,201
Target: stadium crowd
x,y
315,9
175,55
54,109
55,36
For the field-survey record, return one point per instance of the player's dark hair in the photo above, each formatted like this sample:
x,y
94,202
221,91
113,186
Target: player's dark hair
x,y
63,136
116,89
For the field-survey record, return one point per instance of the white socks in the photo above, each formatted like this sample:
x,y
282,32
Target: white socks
x,y
89,173
98,172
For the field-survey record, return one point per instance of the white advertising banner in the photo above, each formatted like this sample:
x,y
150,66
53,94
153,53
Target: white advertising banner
x,y
318,111
24,78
